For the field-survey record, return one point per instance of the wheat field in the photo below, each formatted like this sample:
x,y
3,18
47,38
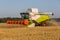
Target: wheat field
x,y
25,33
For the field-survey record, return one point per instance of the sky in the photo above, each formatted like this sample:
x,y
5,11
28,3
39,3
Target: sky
x,y
12,8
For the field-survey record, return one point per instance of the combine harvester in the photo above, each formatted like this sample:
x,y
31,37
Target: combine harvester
x,y
32,18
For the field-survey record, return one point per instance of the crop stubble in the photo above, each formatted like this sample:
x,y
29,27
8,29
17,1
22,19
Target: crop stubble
x,y
25,33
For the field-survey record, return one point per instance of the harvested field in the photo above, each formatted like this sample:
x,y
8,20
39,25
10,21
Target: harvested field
x,y
36,33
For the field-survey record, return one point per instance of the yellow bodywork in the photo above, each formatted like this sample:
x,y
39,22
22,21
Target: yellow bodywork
x,y
42,17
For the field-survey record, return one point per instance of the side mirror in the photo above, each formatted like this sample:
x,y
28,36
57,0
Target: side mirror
x,y
52,14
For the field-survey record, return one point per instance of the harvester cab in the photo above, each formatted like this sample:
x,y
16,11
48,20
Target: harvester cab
x,y
24,16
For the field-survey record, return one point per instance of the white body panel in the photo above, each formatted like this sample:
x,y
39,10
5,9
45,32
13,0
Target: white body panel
x,y
33,10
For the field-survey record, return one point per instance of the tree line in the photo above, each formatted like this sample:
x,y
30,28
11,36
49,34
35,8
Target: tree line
x,y
3,20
